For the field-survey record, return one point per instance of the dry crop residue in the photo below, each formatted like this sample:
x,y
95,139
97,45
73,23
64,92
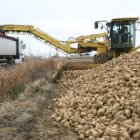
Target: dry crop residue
x,y
29,117
103,103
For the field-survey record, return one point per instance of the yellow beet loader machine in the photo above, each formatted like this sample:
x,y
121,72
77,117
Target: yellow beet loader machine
x,y
119,39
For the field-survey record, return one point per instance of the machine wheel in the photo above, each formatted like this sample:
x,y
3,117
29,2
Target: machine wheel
x,y
102,58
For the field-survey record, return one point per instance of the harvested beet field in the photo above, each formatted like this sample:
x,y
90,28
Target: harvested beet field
x,y
101,103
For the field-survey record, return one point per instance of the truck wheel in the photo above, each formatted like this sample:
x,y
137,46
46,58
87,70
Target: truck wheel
x,y
11,61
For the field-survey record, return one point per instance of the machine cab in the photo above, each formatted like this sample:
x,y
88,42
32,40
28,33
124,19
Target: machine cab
x,y
122,33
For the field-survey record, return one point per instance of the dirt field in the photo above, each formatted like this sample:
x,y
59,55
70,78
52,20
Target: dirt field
x,y
29,117
101,104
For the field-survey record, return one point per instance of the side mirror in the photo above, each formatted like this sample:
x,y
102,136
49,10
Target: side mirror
x,y
96,24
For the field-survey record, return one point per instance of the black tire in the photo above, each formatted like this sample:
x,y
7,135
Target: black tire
x,y
11,61
102,58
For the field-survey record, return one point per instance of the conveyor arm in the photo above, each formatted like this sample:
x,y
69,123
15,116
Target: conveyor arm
x,y
41,35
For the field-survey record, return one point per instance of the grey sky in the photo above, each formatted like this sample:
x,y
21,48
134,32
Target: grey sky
x,y
63,18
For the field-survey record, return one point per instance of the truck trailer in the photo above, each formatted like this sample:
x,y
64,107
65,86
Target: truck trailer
x,y
11,48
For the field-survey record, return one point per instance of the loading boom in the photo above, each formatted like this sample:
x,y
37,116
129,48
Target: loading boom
x,y
41,35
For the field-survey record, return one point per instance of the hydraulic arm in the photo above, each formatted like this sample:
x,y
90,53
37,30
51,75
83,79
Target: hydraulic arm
x,y
93,42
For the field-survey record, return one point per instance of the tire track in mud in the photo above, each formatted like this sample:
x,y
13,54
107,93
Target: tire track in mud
x,y
45,127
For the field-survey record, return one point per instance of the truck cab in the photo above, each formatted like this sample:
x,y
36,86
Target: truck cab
x,y
122,33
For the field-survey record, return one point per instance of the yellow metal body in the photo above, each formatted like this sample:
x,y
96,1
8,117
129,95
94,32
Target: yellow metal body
x,y
86,43
92,42
93,36
126,19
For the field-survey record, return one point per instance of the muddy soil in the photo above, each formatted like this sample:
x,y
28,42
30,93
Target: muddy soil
x,y
29,116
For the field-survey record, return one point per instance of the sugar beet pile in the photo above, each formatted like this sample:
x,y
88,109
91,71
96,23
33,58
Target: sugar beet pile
x,y
103,103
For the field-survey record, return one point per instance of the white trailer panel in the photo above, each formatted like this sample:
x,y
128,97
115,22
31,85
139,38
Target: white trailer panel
x,y
7,46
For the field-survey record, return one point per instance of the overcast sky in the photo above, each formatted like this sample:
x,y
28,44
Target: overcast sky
x,y
63,18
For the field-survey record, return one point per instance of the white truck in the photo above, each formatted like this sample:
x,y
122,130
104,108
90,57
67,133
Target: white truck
x,y
11,48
